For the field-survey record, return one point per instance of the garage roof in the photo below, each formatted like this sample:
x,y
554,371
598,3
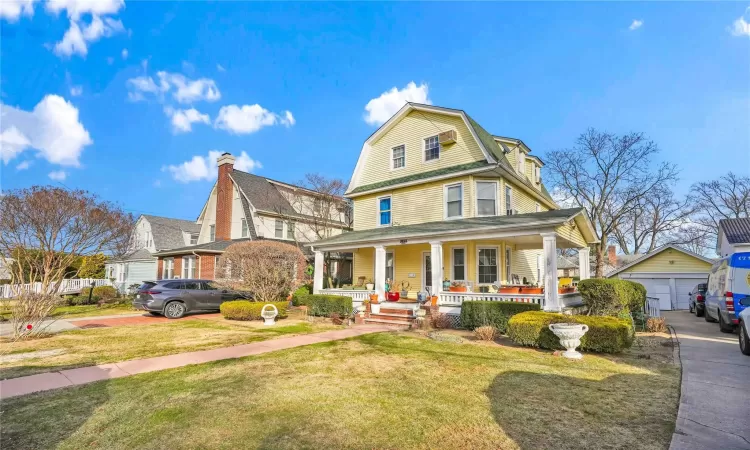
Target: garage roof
x,y
656,252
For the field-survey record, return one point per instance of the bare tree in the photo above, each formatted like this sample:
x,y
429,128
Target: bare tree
x,y
43,230
608,175
693,237
725,198
654,220
270,270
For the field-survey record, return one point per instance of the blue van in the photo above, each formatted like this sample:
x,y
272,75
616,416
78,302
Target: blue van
x,y
728,284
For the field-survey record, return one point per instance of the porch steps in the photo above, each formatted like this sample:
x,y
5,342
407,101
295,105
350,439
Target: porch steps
x,y
395,311
382,315
401,323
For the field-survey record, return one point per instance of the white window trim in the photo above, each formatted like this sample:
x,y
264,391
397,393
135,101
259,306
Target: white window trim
x,y
291,226
497,258
505,199
394,148
424,149
445,200
212,227
538,207
453,265
186,267
377,211
275,223
244,227
392,252
497,203
508,263
424,273
167,262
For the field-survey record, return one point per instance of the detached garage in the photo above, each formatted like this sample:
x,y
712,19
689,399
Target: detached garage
x,y
669,273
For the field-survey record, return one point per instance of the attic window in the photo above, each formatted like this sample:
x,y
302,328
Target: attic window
x,y
431,148
194,238
399,157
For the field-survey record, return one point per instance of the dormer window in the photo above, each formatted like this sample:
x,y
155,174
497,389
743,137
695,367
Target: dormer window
x,y
431,149
211,233
521,163
194,238
537,174
398,157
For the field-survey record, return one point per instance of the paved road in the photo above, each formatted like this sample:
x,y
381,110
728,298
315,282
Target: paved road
x,y
715,402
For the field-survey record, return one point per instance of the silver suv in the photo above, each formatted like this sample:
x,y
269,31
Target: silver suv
x,y
174,298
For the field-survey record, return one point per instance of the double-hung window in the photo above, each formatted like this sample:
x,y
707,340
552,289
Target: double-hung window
x,y
168,269
486,198
508,275
389,274
459,264
454,194
194,238
290,230
244,227
431,148
508,200
188,267
487,264
279,229
212,233
398,157
384,211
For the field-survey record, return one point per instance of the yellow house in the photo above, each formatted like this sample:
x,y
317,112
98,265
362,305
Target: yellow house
x,y
436,198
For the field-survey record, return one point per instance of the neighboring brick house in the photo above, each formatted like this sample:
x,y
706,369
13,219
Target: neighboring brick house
x,y
246,207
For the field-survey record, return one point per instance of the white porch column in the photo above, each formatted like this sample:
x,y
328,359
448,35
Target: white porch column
x,y
318,274
436,260
551,300
380,272
584,266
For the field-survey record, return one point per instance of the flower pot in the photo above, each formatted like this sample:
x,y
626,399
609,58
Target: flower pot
x,y
375,308
565,290
392,296
532,290
370,286
269,315
570,335
508,290
457,288
434,300
446,285
404,294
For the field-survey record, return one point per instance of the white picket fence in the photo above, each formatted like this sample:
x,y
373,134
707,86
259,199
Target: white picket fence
x,y
67,286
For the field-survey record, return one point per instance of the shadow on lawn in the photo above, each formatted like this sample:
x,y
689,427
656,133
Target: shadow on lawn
x,y
554,411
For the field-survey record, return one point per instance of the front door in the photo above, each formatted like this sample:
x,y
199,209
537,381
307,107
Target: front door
x,y
427,272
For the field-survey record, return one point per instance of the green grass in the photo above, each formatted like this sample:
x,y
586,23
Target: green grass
x,y
86,347
78,311
387,390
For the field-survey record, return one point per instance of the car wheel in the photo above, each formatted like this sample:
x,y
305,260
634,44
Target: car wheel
x,y
154,313
723,327
700,312
174,310
744,340
707,316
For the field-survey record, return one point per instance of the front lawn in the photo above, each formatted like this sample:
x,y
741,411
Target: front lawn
x,y
78,311
86,347
387,390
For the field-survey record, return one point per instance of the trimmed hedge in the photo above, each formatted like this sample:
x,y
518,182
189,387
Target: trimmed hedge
x,y
324,305
606,334
475,314
612,297
105,292
247,310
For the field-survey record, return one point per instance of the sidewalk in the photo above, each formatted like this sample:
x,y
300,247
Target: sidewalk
x,y
74,377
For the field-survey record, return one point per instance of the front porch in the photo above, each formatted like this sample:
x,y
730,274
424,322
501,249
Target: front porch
x,y
506,259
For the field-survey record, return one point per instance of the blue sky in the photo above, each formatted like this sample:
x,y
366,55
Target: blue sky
x,y
109,95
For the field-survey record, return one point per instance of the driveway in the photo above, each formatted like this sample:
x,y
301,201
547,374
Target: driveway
x,y
715,399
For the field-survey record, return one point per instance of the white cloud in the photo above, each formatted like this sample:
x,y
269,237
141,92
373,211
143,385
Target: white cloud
x,y
76,39
52,128
380,109
75,91
183,119
205,167
248,119
637,23
24,165
58,175
183,89
220,68
741,27
75,8
11,10
124,53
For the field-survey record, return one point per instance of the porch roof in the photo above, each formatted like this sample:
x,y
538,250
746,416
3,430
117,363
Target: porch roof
x,y
453,229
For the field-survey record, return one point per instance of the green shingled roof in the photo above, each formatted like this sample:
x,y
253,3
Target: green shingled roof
x,y
422,175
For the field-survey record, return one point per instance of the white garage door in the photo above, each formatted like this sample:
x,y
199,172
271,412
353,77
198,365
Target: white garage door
x,y
684,287
657,288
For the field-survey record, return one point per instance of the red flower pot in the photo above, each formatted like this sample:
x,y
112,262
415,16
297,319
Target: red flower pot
x,y
392,296
458,289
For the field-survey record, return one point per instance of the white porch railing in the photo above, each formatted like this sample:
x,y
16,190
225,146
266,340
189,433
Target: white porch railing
x,y
652,307
74,285
457,298
357,295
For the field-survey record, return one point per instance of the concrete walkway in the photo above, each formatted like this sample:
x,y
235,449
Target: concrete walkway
x,y
715,394
73,377
58,325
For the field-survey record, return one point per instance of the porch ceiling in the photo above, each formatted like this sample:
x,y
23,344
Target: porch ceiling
x,y
522,228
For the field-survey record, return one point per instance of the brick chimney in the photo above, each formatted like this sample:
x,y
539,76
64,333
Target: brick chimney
x,y
612,255
224,198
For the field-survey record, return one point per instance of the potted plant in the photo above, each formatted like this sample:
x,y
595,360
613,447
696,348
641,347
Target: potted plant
x,y
405,285
457,286
446,284
374,304
369,284
506,289
532,289
391,295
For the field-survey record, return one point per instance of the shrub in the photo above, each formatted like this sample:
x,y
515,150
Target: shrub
x,y
486,333
605,334
103,292
247,310
324,305
301,291
610,297
475,314
656,325
440,321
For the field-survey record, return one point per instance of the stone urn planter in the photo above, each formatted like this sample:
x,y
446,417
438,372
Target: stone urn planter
x,y
570,335
269,315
